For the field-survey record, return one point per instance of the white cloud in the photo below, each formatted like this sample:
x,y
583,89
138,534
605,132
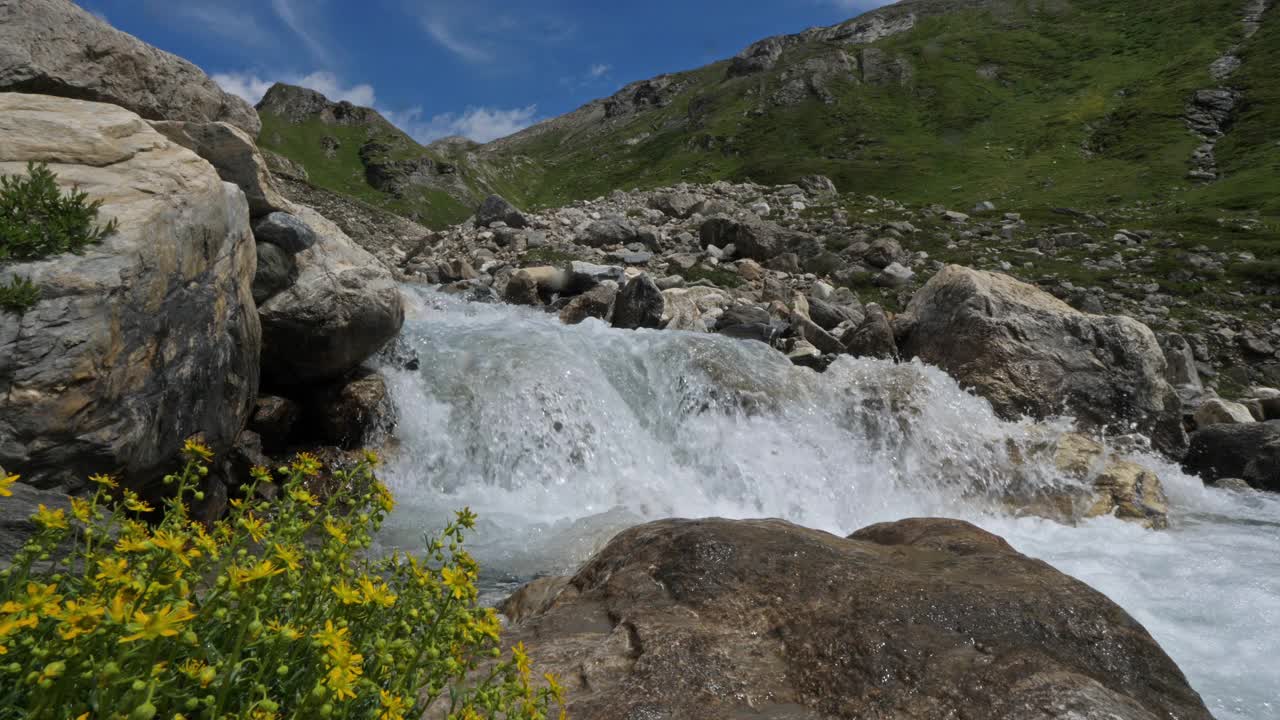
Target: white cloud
x,y
293,18
599,70
440,31
252,87
481,124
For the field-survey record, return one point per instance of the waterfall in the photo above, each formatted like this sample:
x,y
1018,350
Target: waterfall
x,y
559,436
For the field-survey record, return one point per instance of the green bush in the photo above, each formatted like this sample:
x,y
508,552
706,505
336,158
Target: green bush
x,y
277,611
19,295
38,220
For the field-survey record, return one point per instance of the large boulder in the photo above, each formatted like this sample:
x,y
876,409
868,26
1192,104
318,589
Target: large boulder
x,y
343,307
234,155
54,47
1029,353
720,619
756,239
495,208
1250,452
144,339
638,305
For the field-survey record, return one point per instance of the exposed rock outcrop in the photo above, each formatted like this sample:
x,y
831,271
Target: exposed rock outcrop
x,y
721,619
145,339
1250,452
234,155
1029,353
54,47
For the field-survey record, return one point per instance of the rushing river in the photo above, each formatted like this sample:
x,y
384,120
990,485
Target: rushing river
x,y
560,436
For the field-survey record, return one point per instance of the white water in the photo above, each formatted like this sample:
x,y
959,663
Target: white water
x,y
561,436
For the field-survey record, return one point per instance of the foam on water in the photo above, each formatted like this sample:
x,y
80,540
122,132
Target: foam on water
x,y
561,436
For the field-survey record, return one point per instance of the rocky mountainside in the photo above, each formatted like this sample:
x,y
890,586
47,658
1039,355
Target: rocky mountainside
x,y
1084,102
356,152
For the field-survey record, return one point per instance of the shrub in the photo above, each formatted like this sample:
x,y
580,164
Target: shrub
x,y
19,295
37,220
274,612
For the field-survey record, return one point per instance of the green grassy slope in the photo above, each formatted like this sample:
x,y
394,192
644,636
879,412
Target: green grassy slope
x,y
344,172
1085,109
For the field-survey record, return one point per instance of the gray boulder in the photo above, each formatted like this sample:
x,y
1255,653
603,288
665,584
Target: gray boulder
x,y
495,208
818,185
756,239
1250,452
676,204
285,231
343,308
873,337
607,232
234,155
1029,353
594,303
639,305
276,271
884,252
54,47
145,339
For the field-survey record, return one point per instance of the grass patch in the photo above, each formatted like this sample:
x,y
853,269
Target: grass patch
x,y
719,277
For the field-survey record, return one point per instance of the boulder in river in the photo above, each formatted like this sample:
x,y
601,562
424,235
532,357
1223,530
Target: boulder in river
x,y
638,305
1029,353
54,47
144,339
343,307
1250,452
719,619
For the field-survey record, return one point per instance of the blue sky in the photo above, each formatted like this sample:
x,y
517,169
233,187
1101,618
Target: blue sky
x,y
481,68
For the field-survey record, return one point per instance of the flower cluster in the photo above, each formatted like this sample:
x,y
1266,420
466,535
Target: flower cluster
x,y
277,611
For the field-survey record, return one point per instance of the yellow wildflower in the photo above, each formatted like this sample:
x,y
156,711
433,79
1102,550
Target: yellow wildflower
x,y
194,449
80,618
331,636
5,482
103,481
243,576
165,622
393,706
304,497
257,528
553,682
458,580
466,518
307,464
336,530
290,556
284,630
175,543
133,544
81,509
41,601
204,541
10,625
347,594
136,504
385,500
522,660
118,610
260,474
50,519
114,571
345,668
376,593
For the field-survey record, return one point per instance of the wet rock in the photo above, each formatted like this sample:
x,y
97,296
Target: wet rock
x,y
594,303
873,337
723,619
344,307
828,315
273,420
1029,353
639,305
1216,411
522,289
351,412
1250,452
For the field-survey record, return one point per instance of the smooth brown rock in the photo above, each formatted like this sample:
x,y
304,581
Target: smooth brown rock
x,y
924,619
